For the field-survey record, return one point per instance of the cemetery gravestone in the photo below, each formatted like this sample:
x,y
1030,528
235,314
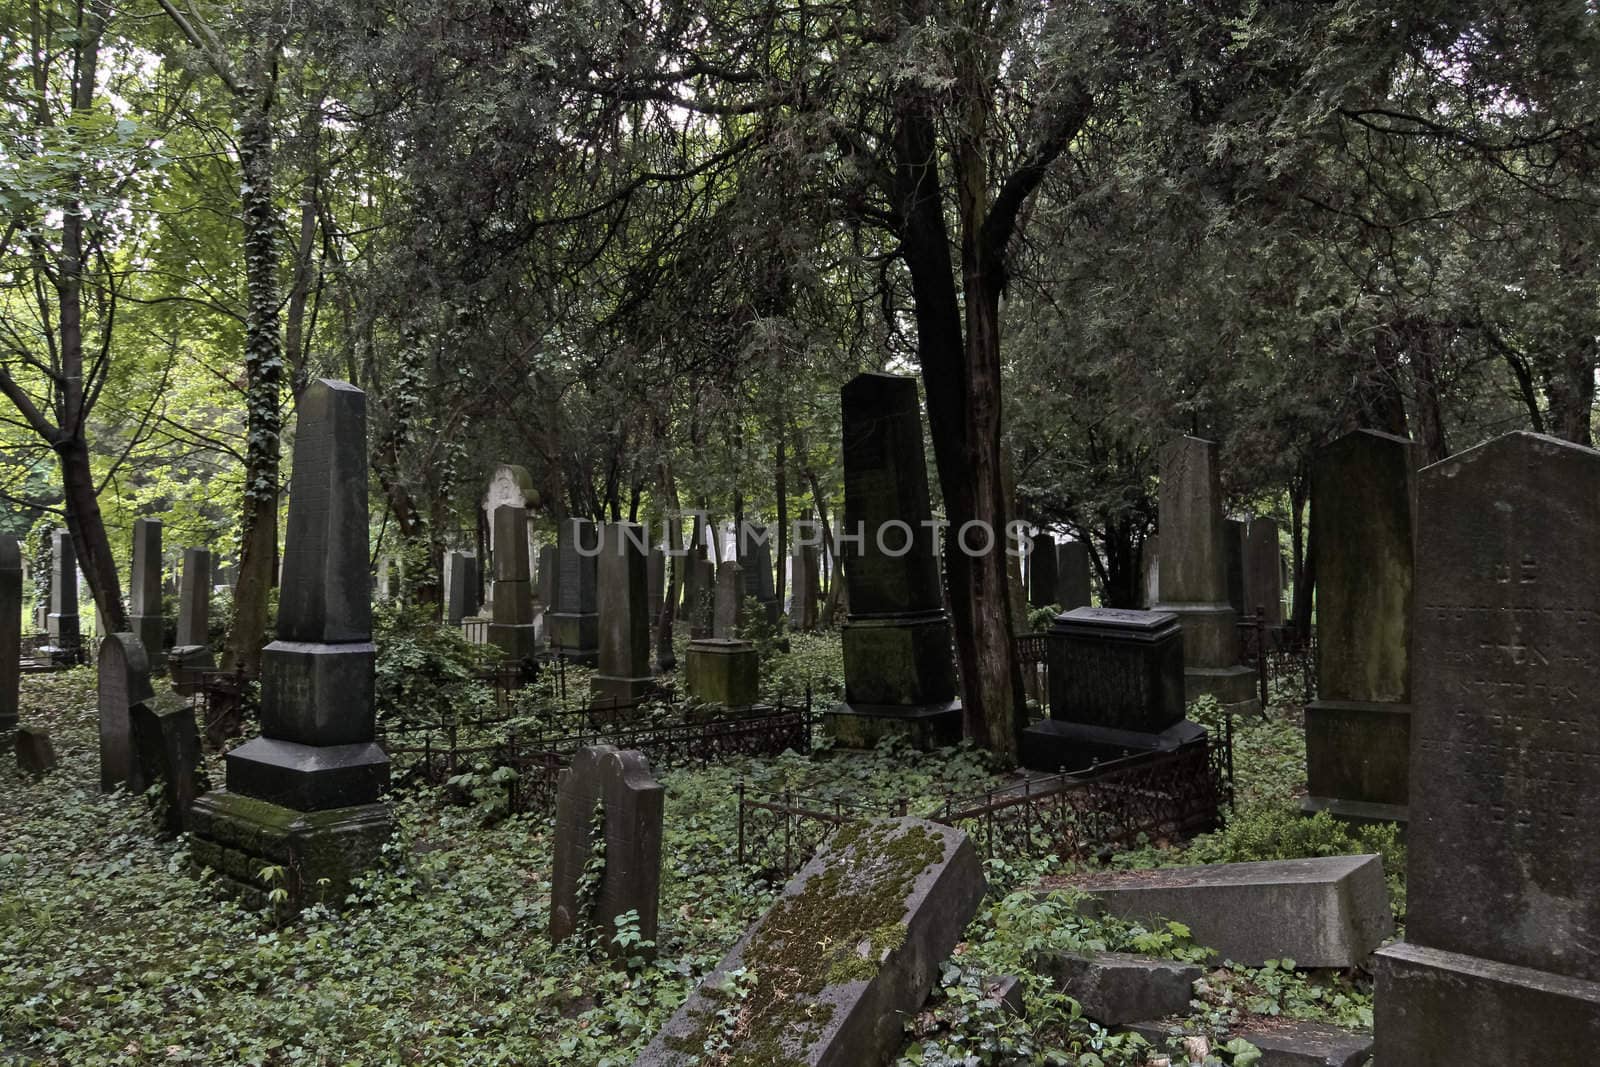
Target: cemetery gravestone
x,y
723,669
899,670
575,622
1044,573
1358,730
144,590
510,485
844,957
10,633
192,652
1072,571
62,621
1150,570
549,576
455,587
807,587
1501,959
35,754
124,683
167,744
755,558
614,789
305,794
1234,534
624,656
1194,576
512,628
1264,571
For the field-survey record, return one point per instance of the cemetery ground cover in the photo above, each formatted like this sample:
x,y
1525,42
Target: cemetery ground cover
x,y
111,953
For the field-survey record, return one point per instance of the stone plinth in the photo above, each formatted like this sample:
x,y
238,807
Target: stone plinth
x,y
725,672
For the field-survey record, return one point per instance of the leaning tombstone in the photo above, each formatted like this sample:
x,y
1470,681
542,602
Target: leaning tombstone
x,y
145,616
624,657
1358,730
10,633
574,624
724,669
608,807
830,974
1501,962
304,796
124,684
899,668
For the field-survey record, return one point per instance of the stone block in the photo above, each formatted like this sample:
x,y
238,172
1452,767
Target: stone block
x,y
846,954
898,659
35,753
308,777
723,672
317,694
1328,911
168,745
1115,988
1051,745
1281,1042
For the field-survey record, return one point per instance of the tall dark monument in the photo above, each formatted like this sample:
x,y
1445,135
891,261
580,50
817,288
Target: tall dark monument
x,y
513,629
1358,730
1502,952
899,668
623,580
61,624
305,794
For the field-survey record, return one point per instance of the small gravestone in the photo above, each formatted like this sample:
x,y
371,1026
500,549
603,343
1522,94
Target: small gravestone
x,y
624,659
1358,730
10,633
724,669
305,795
899,668
168,746
35,753
1264,571
145,616
1116,688
512,629
606,803
124,683
61,624
1044,572
574,624
192,653
1197,551
1330,911
834,969
1072,575
1502,950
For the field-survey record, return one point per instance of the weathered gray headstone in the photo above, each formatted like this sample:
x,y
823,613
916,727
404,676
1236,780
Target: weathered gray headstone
x,y
574,625
509,485
1072,575
1264,571
456,596
614,788
1044,572
62,621
512,628
1502,950
124,681
144,590
729,612
1115,988
305,794
35,753
1330,911
10,632
655,581
899,670
843,959
1194,575
1358,730
168,746
624,657
549,575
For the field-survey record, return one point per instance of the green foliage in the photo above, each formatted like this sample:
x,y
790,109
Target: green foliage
x,y
426,671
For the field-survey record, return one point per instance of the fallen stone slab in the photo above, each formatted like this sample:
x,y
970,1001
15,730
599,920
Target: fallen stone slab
x,y
35,753
1330,911
1114,987
828,976
1282,1042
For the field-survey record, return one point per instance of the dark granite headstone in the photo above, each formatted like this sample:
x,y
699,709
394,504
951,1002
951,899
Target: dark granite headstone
x,y
618,785
194,598
512,628
144,590
1502,951
807,587
549,576
899,668
574,625
1234,533
1194,575
624,656
455,587
305,794
1264,571
1044,572
168,746
10,632
62,622
35,753
843,959
1072,575
1358,730
755,558
124,681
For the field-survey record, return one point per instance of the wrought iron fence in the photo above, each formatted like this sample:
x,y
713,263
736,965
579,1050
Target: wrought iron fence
x,y
1032,651
1285,661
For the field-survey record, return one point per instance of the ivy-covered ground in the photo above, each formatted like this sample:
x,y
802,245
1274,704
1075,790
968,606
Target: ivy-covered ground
x,y
110,952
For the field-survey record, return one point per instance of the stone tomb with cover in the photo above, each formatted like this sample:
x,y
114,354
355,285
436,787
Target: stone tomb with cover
x,y
305,795
1501,962
1116,689
899,667
842,960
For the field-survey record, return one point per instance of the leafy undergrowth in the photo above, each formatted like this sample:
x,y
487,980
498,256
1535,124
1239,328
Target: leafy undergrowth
x,y
110,952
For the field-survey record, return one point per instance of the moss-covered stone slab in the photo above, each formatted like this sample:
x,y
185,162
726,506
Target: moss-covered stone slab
x,y
828,976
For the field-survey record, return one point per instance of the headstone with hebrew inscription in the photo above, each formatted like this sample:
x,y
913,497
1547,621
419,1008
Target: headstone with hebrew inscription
x,y
1502,949
834,970
574,624
305,795
624,658
145,616
1196,549
1358,730
899,667
606,802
